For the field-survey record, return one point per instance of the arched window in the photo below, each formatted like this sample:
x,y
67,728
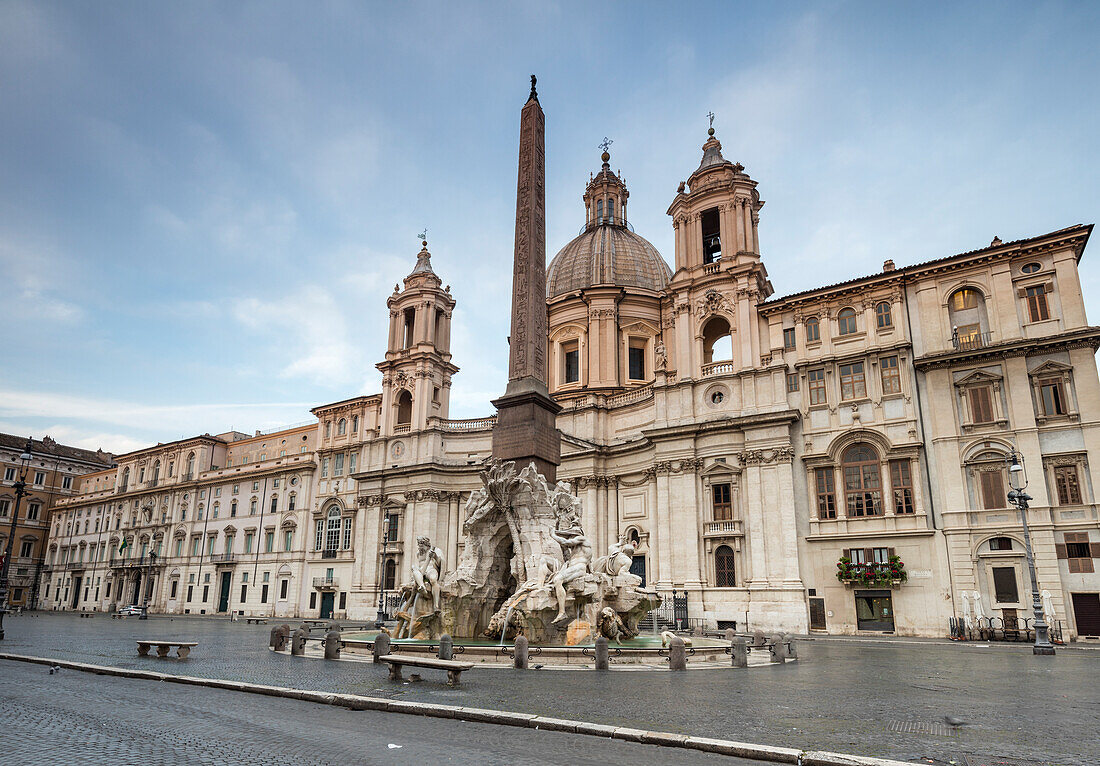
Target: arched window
x,y
717,341
723,567
328,428
966,310
332,530
813,330
846,321
190,466
156,470
882,315
389,577
342,427
1000,543
125,478
862,481
599,211
404,408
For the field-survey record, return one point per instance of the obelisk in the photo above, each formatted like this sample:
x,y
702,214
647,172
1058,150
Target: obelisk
x,y
526,429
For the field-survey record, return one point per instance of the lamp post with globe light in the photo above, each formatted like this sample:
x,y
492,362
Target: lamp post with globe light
x,y
20,488
1017,480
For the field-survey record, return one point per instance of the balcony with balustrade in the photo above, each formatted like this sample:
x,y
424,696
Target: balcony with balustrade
x,y
326,583
723,528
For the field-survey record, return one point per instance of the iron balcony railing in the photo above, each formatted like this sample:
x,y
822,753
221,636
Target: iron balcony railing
x,y
223,558
326,582
970,341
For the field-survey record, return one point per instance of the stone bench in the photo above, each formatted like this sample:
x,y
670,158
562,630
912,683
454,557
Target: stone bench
x,y
257,620
163,647
397,661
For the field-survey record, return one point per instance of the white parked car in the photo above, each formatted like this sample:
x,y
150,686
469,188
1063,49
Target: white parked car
x,y
130,610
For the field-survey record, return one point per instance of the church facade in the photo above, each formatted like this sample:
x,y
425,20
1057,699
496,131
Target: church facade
x,y
761,451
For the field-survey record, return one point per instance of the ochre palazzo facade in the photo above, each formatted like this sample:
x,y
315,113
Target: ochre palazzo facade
x,y
753,446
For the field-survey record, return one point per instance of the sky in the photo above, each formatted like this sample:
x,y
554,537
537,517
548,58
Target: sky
x,y
204,205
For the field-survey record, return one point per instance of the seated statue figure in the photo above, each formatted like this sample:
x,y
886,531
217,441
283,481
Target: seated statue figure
x,y
427,570
577,551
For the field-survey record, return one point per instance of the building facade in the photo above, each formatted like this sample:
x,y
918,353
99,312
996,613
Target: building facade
x,y
53,473
758,449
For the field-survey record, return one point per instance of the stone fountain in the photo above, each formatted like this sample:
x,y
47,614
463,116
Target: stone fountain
x,y
527,568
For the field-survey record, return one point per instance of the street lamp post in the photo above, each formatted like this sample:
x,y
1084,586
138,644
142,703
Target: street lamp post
x,y
147,586
380,620
1017,479
20,488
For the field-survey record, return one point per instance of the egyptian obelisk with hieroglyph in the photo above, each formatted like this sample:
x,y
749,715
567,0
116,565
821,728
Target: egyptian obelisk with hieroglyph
x,y
526,431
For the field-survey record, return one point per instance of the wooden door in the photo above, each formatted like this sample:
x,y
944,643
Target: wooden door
x,y
1086,612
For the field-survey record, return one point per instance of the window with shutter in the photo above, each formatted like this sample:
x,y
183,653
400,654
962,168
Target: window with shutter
x,y
721,506
1065,481
1037,308
1078,552
826,493
981,404
992,489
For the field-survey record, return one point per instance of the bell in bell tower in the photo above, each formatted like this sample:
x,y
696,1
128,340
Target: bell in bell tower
x,y
416,374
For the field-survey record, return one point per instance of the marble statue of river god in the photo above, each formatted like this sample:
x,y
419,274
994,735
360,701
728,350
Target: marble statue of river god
x,y
526,567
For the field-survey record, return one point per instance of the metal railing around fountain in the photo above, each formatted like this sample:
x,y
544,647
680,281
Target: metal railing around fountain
x,y
672,614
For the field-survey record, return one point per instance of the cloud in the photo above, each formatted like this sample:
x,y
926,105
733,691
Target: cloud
x,y
30,296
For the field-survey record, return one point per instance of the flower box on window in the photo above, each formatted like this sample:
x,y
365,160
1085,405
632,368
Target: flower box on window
x,y
888,574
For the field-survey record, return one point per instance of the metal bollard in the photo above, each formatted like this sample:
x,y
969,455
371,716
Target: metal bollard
x,y
332,645
446,647
381,646
739,652
603,659
521,653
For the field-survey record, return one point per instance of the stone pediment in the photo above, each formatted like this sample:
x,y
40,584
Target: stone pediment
x,y
1051,368
978,377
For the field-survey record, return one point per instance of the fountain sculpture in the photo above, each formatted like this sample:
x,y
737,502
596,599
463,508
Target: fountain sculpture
x,y
527,568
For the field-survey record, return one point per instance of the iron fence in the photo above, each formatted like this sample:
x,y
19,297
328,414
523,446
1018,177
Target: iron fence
x,y
1000,629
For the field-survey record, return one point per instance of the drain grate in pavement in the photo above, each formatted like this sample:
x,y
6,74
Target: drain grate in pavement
x,y
921,727
992,760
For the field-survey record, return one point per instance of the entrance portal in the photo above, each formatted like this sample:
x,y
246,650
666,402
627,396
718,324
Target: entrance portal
x,y
637,567
136,601
327,601
875,610
223,599
76,591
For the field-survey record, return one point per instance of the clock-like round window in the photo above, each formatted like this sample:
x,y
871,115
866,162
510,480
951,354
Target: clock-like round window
x,y
1030,268
717,397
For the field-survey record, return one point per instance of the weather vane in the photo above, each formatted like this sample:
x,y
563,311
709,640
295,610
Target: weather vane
x,y
423,235
710,116
606,143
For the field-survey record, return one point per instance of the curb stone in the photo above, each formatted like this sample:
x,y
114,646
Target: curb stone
x,y
484,715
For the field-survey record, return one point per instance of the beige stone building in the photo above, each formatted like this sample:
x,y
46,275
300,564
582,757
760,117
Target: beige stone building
x,y
753,446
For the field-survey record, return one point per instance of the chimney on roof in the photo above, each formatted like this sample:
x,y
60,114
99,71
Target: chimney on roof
x,y
257,432
888,265
996,241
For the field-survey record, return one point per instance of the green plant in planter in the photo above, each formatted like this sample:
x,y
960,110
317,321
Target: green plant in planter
x,y
870,574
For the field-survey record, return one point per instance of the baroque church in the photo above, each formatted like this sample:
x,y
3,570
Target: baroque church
x,y
831,460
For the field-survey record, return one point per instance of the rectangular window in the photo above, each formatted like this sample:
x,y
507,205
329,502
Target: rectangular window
x,y
991,485
40,477
859,555
195,543
244,593
275,505
1052,397
175,588
1078,552
1065,481
572,370
255,486
852,383
34,508
290,503
813,330
288,540
1037,309
319,540
179,547
816,380
1004,585
863,489
891,376
236,488
248,542
981,404
343,600
347,533
269,542
901,481
720,505
5,507
67,482
9,474
26,549
190,591
637,362
284,585
338,465
324,467
792,382
788,338
263,593
218,492
210,545
351,463
391,531
826,493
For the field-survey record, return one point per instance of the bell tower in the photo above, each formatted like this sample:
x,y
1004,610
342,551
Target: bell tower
x,y
416,375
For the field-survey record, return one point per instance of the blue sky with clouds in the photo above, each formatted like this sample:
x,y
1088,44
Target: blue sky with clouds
x,y
204,205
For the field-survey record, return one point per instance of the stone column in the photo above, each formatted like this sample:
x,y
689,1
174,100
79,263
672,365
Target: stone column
x,y
746,210
612,509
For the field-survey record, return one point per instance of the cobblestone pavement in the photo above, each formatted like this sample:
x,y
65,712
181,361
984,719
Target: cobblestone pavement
x,y
79,718
870,699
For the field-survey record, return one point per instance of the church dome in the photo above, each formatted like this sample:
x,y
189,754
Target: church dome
x,y
607,252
